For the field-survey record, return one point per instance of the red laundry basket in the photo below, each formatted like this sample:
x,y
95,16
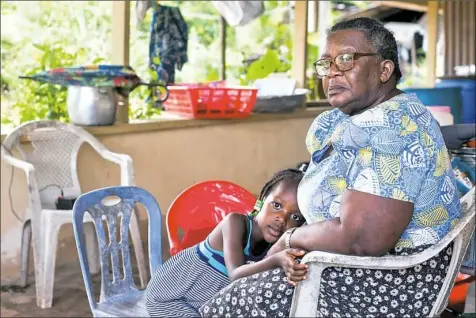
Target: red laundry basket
x,y
197,210
209,101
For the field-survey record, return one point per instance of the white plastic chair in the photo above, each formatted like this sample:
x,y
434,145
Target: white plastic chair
x,y
49,150
306,296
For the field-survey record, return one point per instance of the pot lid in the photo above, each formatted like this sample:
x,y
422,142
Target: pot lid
x,y
94,75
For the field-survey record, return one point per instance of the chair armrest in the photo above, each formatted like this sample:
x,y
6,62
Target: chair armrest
x,y
387,262
124,161
307,292
33,192
20,164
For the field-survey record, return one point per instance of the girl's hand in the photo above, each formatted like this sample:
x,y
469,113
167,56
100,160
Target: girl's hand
x,y
295,272
277,247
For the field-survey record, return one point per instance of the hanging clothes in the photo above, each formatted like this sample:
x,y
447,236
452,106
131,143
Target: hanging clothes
x,y
168,42
239,13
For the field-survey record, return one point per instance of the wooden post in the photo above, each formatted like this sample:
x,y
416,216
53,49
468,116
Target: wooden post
x,y
121,11
313,16
300,42
223,27
432,33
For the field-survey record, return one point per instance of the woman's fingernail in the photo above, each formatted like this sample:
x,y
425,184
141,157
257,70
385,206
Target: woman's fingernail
x,y
304,278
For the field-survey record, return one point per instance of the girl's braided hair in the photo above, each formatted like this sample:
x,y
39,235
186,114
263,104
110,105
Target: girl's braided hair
x,y
283,175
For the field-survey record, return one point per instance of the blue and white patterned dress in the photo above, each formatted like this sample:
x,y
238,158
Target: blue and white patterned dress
x,y
190,278
394,150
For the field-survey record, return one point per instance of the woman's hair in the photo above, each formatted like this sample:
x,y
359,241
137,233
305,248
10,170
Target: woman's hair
x,y
283,175
381,38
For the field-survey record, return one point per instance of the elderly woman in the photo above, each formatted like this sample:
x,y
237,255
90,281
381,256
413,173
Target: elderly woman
x,y
379,182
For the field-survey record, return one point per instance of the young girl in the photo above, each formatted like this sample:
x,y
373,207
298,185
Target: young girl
x,y
236,248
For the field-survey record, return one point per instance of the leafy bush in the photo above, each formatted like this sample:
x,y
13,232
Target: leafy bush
x,y
34,100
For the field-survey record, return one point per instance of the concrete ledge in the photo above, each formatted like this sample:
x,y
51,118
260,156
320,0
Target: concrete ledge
x,y
171,122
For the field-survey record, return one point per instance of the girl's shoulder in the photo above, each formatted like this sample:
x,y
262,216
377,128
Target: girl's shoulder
x,y
232,227
236,218
234,224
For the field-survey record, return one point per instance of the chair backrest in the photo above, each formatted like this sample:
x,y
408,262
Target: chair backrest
x,y
115,205
52,148
197,210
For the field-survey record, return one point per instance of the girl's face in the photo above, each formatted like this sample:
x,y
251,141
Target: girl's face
x,y
280,211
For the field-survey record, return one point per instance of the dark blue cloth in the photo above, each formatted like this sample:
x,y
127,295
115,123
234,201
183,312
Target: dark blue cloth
x,y
168,41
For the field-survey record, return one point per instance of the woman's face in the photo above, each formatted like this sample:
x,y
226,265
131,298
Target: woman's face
x,y
357,88
280,211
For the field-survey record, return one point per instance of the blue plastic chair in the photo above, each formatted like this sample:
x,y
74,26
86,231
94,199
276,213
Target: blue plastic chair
x,y
119,296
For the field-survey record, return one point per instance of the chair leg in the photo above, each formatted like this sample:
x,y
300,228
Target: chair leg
x,y
92,248
25,252
47,262
138,248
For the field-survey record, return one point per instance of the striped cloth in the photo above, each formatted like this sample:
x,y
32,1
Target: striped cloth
x,y
183,284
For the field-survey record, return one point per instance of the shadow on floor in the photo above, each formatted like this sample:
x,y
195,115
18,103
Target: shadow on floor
x,y
69,296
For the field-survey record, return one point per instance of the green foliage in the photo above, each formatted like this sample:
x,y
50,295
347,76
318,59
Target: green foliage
x,y
267,64
40,35
34,100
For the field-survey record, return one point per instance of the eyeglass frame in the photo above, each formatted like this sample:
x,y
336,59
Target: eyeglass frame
x,y
355,55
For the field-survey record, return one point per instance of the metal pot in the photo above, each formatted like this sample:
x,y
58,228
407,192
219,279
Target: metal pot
x,y
92,106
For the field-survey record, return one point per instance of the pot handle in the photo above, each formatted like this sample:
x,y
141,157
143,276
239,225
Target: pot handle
x,y
123,91
159,93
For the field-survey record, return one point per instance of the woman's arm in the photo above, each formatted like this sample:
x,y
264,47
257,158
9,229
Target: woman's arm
x,y
369,225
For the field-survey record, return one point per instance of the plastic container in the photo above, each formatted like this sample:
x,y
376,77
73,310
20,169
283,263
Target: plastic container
x,y
467,86
464,164
448,96
442,114
281,104
210,102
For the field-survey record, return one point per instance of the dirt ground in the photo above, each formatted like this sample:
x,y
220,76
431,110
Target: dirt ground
x,y
69,298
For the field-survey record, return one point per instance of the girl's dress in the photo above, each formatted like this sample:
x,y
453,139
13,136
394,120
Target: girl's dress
x,y
190,278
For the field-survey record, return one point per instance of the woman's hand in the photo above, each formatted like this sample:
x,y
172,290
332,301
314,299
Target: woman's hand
x,y
295,272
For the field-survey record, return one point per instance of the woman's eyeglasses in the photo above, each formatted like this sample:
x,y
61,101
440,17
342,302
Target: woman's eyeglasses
x,y
343,62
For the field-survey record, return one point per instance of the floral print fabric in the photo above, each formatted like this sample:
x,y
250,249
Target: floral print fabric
x,y
394,150
344,292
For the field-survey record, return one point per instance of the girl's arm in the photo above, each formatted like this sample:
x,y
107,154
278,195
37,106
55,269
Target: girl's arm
x,y
233,230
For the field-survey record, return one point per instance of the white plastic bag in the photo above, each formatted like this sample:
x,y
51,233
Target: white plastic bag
x,y
239,13
141,8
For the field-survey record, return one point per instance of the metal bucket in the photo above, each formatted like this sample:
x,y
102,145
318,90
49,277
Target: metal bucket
x,y
92,106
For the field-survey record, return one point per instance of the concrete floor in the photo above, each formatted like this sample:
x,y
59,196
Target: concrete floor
x,y
471,299
70,297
